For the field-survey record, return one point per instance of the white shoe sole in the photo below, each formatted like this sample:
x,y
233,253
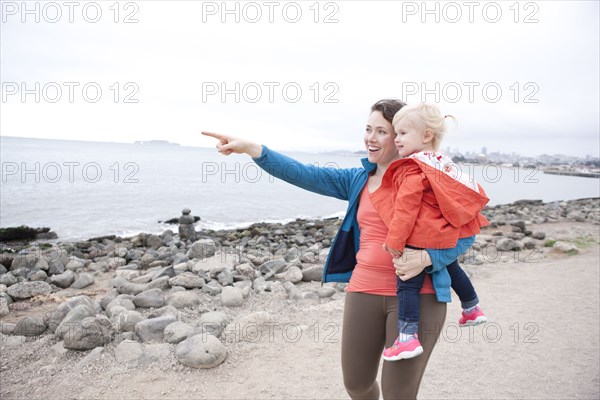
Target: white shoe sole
x,y
405,355
476,321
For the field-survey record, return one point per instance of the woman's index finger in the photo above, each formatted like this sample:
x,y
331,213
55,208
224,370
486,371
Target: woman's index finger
x,y
224,139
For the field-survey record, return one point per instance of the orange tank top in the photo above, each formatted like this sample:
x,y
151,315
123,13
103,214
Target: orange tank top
x,y
374,272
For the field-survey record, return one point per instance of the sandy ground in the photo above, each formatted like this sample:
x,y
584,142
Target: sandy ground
x,y
542,342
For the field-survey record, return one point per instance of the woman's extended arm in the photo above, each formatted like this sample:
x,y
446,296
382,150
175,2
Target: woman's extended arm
x,y
333,182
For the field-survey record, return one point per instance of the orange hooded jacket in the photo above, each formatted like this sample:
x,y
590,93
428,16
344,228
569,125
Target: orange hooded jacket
x,y
424,207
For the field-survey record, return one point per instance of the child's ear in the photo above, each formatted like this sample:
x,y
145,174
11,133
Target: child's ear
x,y
427,136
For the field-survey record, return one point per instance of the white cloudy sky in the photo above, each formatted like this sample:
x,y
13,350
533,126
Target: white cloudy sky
x,y
178,51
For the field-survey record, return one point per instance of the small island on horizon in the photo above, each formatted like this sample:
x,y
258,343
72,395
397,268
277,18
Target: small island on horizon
x,y
156,142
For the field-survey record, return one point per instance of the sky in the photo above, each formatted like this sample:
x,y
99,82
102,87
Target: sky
x,y
520,77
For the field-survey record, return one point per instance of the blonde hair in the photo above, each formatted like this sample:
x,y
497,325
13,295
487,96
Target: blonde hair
x,y
425,116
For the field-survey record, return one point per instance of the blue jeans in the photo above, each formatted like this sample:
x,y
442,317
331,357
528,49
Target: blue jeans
x,y
462,286
408,303
408,296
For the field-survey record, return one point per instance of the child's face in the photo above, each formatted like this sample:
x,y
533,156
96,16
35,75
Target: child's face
x,y
409,138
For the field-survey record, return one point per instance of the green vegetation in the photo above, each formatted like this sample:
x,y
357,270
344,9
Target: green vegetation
x,y
549,243
583,242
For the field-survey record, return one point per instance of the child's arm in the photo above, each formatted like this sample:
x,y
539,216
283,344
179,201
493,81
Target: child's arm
x,y
409,195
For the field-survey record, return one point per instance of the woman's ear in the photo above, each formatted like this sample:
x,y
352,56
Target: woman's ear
x,y
428,136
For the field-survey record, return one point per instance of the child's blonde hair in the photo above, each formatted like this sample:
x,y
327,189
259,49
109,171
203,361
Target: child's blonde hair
x,y
425,116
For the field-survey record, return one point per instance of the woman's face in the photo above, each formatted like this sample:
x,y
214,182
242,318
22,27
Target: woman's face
x,y
379,140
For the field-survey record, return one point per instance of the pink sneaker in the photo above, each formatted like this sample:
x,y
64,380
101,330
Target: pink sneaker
x,y
474,317
403,350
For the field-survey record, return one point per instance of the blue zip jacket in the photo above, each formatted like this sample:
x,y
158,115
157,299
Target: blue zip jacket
x,y
347,184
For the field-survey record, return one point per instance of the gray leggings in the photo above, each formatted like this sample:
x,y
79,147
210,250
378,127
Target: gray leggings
x,y
370,323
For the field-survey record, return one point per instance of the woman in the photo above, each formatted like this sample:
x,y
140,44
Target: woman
x,y
357,256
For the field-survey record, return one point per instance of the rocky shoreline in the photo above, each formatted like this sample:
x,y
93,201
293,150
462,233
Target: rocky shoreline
x,y
176,294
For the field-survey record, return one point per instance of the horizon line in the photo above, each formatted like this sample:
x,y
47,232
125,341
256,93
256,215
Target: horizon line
x,y
357,152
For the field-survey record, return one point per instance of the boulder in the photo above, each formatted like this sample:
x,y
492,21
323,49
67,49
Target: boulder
x,y
89,333
187,281
27,290
8,279
63,280
506,244
151,298
152,330
201,351
181,300
121,302
201,249
270,268
564,247
232,296
30,326
166,310
177,331
212,323
312,274
127,351
71,320
293,275
83,280
3,307
61,312
126,320
153,353
326,291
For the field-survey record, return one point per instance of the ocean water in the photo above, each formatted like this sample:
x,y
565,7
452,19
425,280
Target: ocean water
x,y
85,189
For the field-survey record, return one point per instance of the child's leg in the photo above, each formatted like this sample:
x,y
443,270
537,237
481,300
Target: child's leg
x,y
408,304
407,345
462,286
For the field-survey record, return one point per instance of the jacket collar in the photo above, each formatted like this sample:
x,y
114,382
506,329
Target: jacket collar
x,y
369,166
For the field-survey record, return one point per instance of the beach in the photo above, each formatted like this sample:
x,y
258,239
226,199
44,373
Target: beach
x,y
279,333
